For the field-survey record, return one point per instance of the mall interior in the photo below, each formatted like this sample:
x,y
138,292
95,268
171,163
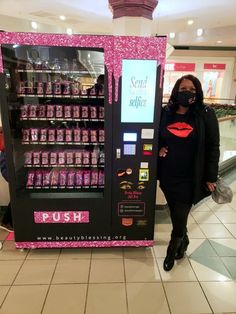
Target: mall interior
x,y
120,279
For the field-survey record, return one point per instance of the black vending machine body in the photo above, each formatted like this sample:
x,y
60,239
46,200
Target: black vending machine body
x,y
62,108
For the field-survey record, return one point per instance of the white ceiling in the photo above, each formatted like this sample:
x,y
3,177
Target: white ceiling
x,y
216,17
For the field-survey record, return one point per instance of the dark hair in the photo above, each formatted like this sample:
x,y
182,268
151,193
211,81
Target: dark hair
x,y
199,92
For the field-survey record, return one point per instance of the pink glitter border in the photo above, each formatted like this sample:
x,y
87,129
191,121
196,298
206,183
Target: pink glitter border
x,y
78,244
116,48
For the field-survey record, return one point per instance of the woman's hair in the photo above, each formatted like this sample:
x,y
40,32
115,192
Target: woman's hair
x,y
199,92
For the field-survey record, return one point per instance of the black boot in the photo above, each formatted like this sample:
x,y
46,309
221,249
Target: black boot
x,y
183,247
171,252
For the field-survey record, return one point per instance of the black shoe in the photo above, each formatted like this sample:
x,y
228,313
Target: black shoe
x,y
173,246
182,248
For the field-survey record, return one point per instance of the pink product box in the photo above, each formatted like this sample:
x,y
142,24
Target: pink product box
x,y
75,88
78,157
54,182
36,158
101,113
61,158
69,158
79,178
32,111
42,111
28,158
71,178
94,158
48,88
29,87
38,178
66,88
39,88
93,112
101,177
24,111
57,88
93,136
30,179
84,112
46,178
62,178
94,177
60,135
34,135
86,158
51,135
77,135
85,136
53,158
67,112
25,135
59,111
50,111
68,135
45,158
76,111
87,177
21,87
43,135
101,136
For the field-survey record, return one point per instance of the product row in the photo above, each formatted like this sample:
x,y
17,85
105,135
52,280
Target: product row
x,y
68,111
60,135
58,158
65,179
65,88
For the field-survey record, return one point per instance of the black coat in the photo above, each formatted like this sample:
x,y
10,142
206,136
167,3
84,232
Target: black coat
x,y
207,153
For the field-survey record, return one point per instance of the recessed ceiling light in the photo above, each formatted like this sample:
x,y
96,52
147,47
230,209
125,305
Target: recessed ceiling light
x,y
199,32
190,22
34,25
62,17
172,35
69,31
219,42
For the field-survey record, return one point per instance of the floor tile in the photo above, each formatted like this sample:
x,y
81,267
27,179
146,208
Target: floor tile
x,y
8,271
105,270
231,228
76,253
138,252
200,208
3,293
215,231
9,252
160,249
163,228
148,298
3,234
224,247
217,208
24,299
107,253
194,232
230,263
233,204
203,249
186,297
209,268
71,271
43,254
106,299
141,270
205,217
63,299
227,217
221,296
182,271
162,217
36,272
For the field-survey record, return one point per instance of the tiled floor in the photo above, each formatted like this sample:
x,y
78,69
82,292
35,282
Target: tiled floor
x,y
129,280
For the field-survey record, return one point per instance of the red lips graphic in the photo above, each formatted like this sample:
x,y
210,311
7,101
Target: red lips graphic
x,y
180,129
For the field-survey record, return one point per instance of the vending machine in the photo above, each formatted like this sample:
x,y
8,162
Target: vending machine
x,y
80,116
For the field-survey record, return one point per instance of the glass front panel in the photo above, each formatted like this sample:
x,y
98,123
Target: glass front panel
x,y
56,112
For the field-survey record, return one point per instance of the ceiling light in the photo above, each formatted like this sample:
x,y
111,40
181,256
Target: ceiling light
x,y
199,32
190,22
62,17
219,42
69,31
34,25
172,35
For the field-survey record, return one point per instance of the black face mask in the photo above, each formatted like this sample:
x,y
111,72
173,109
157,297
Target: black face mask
x,y
186,98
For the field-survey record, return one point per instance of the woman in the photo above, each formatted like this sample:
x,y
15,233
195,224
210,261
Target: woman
x,y
188,158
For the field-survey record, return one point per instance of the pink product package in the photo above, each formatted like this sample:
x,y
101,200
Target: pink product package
x,y
62,178
45,158
60,135
94,158
51,135
54,178
34,135
57,88
101,158
71,178
101,136
46,178
69,158
84,112
53,158
101,177
86,157
93,136
48,88
67,112
32,111
59,111
29,87
75,88
66,88
79,178
61,158
78,157
42,111
50,111
24,111
36,158
28,158
25,135
77,135
30,179
68,135
101,113
43,135
21,88
38,178
76,111
39,87
93,112
87,177
85,136
94,177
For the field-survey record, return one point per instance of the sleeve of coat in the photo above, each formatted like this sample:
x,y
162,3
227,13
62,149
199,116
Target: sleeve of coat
x,y
212,146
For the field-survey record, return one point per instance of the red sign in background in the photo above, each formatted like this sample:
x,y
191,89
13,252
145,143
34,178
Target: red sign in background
x,y
214,66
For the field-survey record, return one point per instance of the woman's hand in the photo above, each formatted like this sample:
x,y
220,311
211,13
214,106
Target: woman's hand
x,y
163,152
211,186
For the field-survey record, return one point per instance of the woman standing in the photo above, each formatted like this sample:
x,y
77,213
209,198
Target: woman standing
x,y
189,157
